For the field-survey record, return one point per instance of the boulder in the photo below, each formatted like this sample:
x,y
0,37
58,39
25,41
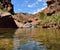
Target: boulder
x,y
7,21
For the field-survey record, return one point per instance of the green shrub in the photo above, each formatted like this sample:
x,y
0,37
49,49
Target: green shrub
x,y
42,15
55,17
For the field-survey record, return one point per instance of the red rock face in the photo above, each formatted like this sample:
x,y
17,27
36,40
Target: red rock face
x,y
53,7
7,5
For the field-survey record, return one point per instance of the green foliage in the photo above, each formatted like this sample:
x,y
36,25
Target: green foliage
x,y
42,16
3,10
55,17
0,6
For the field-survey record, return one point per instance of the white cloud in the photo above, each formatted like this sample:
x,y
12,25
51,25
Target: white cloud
x,y
30,5
39,10
39,0
19,9
34,4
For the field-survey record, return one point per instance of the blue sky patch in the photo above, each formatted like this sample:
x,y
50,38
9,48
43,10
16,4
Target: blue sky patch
x,y
29,6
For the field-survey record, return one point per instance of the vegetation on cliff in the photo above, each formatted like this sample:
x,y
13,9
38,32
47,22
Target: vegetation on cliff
x,y
50,21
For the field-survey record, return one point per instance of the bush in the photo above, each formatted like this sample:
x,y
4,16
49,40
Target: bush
x,y
55,17
42,15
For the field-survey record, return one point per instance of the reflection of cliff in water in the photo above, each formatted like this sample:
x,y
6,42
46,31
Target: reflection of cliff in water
x,y
50,37
24,42
7,32
27,36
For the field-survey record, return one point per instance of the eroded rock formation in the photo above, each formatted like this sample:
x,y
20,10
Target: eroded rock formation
x,y
6,5
53,6
7,21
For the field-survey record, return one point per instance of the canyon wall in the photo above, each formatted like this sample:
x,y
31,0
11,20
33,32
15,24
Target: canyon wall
x,y
53,6
7,5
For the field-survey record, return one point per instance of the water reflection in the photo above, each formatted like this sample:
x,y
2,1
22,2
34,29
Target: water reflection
x,y
28,45
32,45
22,41
29,39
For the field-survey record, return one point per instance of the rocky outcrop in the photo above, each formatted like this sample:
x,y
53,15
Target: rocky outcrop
x,y
53,6
22,17
25,20
21,20
6,21
7,6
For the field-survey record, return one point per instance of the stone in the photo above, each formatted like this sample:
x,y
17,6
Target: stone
x,y
7,21
7,5
53,6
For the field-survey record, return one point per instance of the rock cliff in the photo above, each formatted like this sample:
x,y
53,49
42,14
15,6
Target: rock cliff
x,y
53,6
6,5
7,21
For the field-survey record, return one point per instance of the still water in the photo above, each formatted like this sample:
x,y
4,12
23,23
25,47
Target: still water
x,y
29,39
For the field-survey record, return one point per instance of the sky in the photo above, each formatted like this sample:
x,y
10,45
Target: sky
x,y
29,6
